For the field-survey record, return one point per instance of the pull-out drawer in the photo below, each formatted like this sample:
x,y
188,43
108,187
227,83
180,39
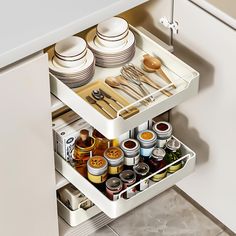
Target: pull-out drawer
x,y
184,77
116,208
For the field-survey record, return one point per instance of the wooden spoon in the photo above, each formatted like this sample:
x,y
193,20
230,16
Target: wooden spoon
x,y
152,64
112,82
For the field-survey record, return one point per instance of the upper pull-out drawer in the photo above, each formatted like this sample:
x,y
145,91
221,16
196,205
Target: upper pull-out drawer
x,y
183,76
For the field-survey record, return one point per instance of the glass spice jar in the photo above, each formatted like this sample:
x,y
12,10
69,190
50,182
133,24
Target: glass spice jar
x,y
157,162
163,130
84,147
97,171
113,188
128,178
142,170
147,140
173,153
115,158
131,149
101,143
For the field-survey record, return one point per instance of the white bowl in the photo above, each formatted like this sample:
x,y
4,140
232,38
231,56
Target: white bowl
x,y
113,38
112,27
111,43
70,63
72,48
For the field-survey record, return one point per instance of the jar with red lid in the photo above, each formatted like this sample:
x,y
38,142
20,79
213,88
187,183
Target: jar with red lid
x,y
157,162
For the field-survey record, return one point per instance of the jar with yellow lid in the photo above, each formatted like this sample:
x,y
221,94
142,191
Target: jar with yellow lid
x,y
97,171
115,158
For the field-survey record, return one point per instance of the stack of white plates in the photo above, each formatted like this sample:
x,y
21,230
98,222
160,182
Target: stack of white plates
x,y
112,43
72,62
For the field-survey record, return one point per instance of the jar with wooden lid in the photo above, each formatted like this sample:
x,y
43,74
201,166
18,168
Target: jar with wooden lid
x,y
97,171
115,158
173,153
163,131
157,162
147,140
84,147
131,149
101,143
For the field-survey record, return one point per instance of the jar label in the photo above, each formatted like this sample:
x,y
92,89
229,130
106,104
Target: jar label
x,y
97,179
144,184
162,142
130,161
146,152
113,170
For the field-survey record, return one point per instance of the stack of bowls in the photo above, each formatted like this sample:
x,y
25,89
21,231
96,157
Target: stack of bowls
x,y
72,62
112,43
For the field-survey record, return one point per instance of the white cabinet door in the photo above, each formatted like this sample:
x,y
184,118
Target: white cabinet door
x,y
27,176
207,122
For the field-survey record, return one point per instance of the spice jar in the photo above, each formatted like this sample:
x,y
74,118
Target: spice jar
x,y
128,178
141,170
147,140
131,149
157,162
101,143
84,147
115,158
163,130
97,171
173,153
113,188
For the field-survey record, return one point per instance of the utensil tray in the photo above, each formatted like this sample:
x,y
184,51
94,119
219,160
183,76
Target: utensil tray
x,y
185,78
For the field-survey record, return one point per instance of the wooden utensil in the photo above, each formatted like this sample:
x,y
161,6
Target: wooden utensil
x,y
153,64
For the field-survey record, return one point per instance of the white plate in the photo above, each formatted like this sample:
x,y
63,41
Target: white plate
x,y
90,38
74,70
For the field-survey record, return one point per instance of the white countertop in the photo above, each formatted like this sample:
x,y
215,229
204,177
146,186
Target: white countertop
x,y
28,26
225,10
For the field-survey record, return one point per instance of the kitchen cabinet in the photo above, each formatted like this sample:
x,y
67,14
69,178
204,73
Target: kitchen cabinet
x,y
29,81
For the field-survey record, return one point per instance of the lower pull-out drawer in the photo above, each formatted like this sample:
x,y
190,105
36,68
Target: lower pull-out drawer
x,y
119,207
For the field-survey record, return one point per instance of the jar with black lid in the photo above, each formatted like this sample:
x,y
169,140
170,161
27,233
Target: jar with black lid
x,y
157,162
128,178
173,153
142,170
163,130
113,187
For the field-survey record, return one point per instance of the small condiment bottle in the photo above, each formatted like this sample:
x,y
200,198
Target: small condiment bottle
x,y
101,143
131,149
113,188
84,147
142,170
157,162
115,158
147,140
97,171
163,130
128,178
173,153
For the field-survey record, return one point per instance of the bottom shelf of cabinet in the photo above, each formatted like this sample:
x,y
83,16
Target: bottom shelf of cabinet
x,y
84,228
119,207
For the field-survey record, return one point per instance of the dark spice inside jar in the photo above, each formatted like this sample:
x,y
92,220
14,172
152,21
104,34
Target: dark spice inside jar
x,y
162,126
130,144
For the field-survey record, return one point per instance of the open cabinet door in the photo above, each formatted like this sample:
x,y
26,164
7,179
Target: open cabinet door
x,y
27,172
207,121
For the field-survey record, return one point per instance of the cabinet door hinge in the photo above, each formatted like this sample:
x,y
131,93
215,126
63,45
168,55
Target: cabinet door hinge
x,y
170,25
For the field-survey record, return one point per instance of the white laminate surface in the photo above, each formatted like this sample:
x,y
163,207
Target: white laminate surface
x,y
28,26
225,10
